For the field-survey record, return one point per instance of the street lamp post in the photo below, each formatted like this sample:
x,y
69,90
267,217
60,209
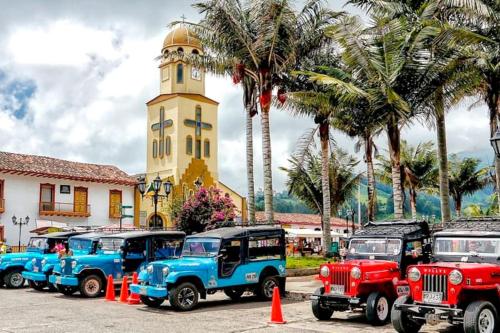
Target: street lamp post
x,y
157,184
20,223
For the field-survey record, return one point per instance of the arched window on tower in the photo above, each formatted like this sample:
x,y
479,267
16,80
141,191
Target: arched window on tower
x,y
189,145
197,151
155,149
195,51
168,143
180,73
161,148
180,50
206,149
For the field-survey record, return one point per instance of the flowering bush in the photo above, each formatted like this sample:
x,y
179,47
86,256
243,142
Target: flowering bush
x,y
207,209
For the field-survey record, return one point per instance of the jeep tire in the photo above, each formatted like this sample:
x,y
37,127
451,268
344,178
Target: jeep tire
x,y
184,297
319,311
66,290
151,301
480,317
378,309
38,285
266,287
14,279
91,286
234,293
400,320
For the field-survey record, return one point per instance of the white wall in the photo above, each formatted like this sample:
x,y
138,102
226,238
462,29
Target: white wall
x,y
22,194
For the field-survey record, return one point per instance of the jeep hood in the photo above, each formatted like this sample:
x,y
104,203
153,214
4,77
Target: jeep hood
x,y
20,256
459,265
189,263
368,264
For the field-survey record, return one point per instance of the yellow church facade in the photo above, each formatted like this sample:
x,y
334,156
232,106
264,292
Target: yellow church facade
x,y
181,133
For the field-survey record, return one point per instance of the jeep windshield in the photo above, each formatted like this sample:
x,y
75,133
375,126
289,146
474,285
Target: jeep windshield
x,y
201,247
467,248
374,247
80,244
38,244
110,245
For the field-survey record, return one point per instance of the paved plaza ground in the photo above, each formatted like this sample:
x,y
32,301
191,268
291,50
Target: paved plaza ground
x,y
27,310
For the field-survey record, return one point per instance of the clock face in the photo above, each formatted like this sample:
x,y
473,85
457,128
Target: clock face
x,y
195,73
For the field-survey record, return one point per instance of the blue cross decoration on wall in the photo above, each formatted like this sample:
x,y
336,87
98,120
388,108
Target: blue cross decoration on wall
x,y
162,124
197,123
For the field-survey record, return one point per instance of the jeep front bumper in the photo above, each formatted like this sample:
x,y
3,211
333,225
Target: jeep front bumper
x,y
64,280
432,314
337,302
34,276
150,291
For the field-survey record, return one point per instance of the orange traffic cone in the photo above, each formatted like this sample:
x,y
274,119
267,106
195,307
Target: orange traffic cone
x,y
134,298
124,290
110,290
276,314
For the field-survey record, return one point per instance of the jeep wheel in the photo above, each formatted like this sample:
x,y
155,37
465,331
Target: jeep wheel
x,y
91,286
184,297
234,293
14,279
400,320
52,287
66,290
266,288
319,311
37,285
480,317
377,308
151,301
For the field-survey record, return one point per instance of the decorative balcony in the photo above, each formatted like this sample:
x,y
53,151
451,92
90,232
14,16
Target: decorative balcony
x,y
64,209
2,205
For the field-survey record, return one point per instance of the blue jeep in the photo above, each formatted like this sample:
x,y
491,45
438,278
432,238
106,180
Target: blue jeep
x,y
38,270
233,260
117,255
12,264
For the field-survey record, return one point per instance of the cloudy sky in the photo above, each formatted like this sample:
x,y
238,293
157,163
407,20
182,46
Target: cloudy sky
x,y
75,76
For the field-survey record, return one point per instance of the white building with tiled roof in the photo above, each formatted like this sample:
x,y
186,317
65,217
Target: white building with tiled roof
x,y
44,188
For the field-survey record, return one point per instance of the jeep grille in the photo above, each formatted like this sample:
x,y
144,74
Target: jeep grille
x,y
341,276
38,264
436,283
157,276
67,270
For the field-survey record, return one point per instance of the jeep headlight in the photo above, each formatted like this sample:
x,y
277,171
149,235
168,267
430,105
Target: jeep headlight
x,y
63,263
414,274
324,271
73,264
356,273
44,261
455,277
149,269
165,271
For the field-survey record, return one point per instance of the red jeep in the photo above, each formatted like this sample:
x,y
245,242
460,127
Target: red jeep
x,y
461,285
370,277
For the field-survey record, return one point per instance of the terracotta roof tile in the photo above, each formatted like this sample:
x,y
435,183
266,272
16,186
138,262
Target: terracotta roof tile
x,y
42,166
300,219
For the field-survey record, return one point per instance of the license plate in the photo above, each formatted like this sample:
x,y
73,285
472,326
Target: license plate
x,y
403,290
433,297
58,280
35,269
143,291
338,289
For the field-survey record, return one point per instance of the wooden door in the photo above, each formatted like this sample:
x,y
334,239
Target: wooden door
x,y
80,201
115,201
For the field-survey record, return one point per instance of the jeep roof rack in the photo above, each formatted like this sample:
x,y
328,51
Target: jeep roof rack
x,y
409,229
483,224
235,232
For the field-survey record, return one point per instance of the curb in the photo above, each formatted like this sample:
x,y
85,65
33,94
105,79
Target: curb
x,y
302,272
297,295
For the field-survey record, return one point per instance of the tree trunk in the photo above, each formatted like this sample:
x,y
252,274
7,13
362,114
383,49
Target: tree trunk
x,y
393,134
370,175
444,187
250,177
458,206
266,156
325,185
413,203
494,108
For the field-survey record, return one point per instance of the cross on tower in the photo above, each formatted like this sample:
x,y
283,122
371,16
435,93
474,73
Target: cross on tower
x,y
183,17
197,124
162,124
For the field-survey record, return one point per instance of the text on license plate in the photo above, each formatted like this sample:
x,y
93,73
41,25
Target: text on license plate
x,y
35,269
58,280
337,289
432,297
143,291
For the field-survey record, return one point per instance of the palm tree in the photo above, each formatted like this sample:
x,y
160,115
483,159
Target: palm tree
x,y
263,38
305,179
466,177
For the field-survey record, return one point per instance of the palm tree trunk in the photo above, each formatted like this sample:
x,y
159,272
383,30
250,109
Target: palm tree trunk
x,y
413,203
444,187
494,108
325,185
393,134
458,206
370,175
250,177
266,156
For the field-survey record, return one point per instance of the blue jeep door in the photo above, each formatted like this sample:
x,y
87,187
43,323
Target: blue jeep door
x,y
230,262
135,254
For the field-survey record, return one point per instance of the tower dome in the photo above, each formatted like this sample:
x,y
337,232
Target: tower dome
x,y
181,36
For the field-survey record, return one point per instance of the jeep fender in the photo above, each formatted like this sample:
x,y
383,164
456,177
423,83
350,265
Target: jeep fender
x,y
92,270
48,268
175,277
12,266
